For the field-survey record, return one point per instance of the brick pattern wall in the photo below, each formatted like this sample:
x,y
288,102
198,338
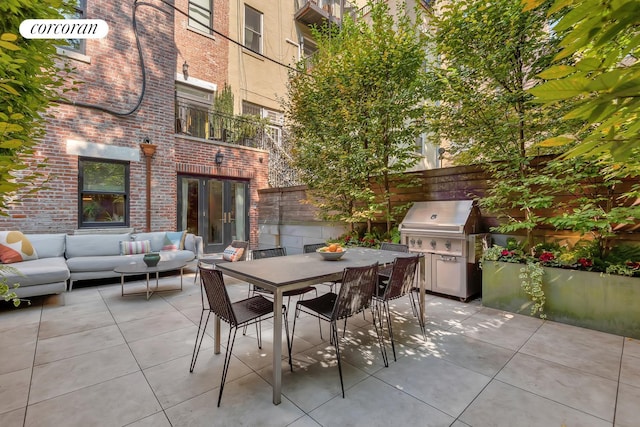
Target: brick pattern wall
x,y
113,80
197,157
207,55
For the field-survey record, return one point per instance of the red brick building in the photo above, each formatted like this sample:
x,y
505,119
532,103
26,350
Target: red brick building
x,y
141,86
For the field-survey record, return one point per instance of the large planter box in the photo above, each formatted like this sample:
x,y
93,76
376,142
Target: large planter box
x,y
603,302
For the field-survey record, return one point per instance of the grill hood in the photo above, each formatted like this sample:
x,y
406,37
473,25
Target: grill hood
x,y
450,217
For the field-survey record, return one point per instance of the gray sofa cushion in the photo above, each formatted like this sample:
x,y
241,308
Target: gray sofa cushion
x,y
108,263
39,271
48,245
94,245
155,237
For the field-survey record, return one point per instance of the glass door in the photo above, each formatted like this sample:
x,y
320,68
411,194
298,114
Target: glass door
x,y
215,209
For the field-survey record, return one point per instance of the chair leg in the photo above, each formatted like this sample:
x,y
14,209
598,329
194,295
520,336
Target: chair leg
x,y
334,334
227,360
199,338
414,307
377,323
387,314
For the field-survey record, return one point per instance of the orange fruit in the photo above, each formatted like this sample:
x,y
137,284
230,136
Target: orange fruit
x,y
333,247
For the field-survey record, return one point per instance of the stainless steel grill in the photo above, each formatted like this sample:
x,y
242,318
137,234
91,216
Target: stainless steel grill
x,y
447,233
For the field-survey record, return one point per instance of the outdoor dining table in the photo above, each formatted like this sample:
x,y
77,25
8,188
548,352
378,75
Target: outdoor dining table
x,y
280,274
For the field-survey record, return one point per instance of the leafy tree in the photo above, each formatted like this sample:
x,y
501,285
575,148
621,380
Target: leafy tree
x,y
354,111
30,80
603,83
486,56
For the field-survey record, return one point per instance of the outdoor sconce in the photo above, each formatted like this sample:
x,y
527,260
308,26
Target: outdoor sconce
x,y
219,158
185,70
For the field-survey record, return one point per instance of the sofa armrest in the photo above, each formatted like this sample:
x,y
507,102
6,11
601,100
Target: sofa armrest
x,y
194,244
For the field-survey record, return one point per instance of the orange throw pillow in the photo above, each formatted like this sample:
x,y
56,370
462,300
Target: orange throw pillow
x,y
15,247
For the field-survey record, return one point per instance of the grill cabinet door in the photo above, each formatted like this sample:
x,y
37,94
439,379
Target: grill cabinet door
x,y
448,275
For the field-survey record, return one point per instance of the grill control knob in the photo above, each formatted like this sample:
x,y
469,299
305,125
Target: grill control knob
x,y
448,245
433,244
420,242
413,242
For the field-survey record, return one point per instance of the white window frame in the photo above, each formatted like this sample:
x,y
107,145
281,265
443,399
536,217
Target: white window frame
x,y
255,33
200,24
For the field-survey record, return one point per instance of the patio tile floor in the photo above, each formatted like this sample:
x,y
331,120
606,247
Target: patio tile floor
x,y
106,360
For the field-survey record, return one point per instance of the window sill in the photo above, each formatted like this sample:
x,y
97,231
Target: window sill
x,y
73,55
249,52
201,33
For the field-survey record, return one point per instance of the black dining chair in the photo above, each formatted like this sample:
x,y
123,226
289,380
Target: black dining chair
x,y
312,248
214,261
237,314
277,252
399,284
355,295
385,272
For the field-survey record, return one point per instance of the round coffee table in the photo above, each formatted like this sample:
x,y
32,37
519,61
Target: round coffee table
x,y
141,268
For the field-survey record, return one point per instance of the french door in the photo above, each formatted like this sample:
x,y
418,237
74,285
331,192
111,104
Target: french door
x,y
216,209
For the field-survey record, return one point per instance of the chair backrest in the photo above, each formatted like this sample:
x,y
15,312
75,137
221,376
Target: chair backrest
x,y
312,247
396,247
356,291
268,253
217,296
402,277
241,244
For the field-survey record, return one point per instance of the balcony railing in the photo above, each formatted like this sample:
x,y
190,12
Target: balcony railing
x,y
201,122
246,131
315,12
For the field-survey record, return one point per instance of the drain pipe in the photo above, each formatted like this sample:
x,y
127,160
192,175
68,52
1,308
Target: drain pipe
x,y
148,150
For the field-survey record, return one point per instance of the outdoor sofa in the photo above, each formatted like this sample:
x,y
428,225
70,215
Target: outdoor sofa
x,y
61,258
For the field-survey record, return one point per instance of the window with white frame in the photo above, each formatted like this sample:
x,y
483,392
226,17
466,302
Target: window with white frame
x,y
252,29
103,187
201,15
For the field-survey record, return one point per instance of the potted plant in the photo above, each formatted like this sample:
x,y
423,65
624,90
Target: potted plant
x,y
90,210
566,284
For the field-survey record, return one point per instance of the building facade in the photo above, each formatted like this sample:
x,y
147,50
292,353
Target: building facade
x,y
118,155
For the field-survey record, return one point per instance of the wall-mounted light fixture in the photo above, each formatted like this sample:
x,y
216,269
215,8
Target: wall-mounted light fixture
x,y
185,70
219,158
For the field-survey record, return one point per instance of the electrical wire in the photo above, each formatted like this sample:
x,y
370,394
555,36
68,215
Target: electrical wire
x,y
127,113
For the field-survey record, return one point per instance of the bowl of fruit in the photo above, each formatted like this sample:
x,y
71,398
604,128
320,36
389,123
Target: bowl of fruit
x,y
333,252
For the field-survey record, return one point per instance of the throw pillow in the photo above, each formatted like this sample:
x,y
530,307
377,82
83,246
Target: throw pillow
x,y
131,247
174,240
232,254
15,247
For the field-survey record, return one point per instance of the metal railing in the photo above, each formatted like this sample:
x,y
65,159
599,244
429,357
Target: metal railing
x,y
248,131
204,123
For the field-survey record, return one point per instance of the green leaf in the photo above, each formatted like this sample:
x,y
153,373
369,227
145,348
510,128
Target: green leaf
x,y
560,89
556,72
9,37
556,141
8,45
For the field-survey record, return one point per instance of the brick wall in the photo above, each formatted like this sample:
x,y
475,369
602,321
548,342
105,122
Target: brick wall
x,y
197,157
207,55
113,80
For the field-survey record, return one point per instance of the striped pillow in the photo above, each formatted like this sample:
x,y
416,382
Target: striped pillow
x,y
131,247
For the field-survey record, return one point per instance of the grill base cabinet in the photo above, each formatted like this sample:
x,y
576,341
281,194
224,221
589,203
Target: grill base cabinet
x,y
445,232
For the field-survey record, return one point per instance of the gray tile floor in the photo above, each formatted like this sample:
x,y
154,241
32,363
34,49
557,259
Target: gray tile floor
x,y
107,360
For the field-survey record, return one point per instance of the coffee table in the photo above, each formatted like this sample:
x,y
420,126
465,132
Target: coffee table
x,y
141,268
